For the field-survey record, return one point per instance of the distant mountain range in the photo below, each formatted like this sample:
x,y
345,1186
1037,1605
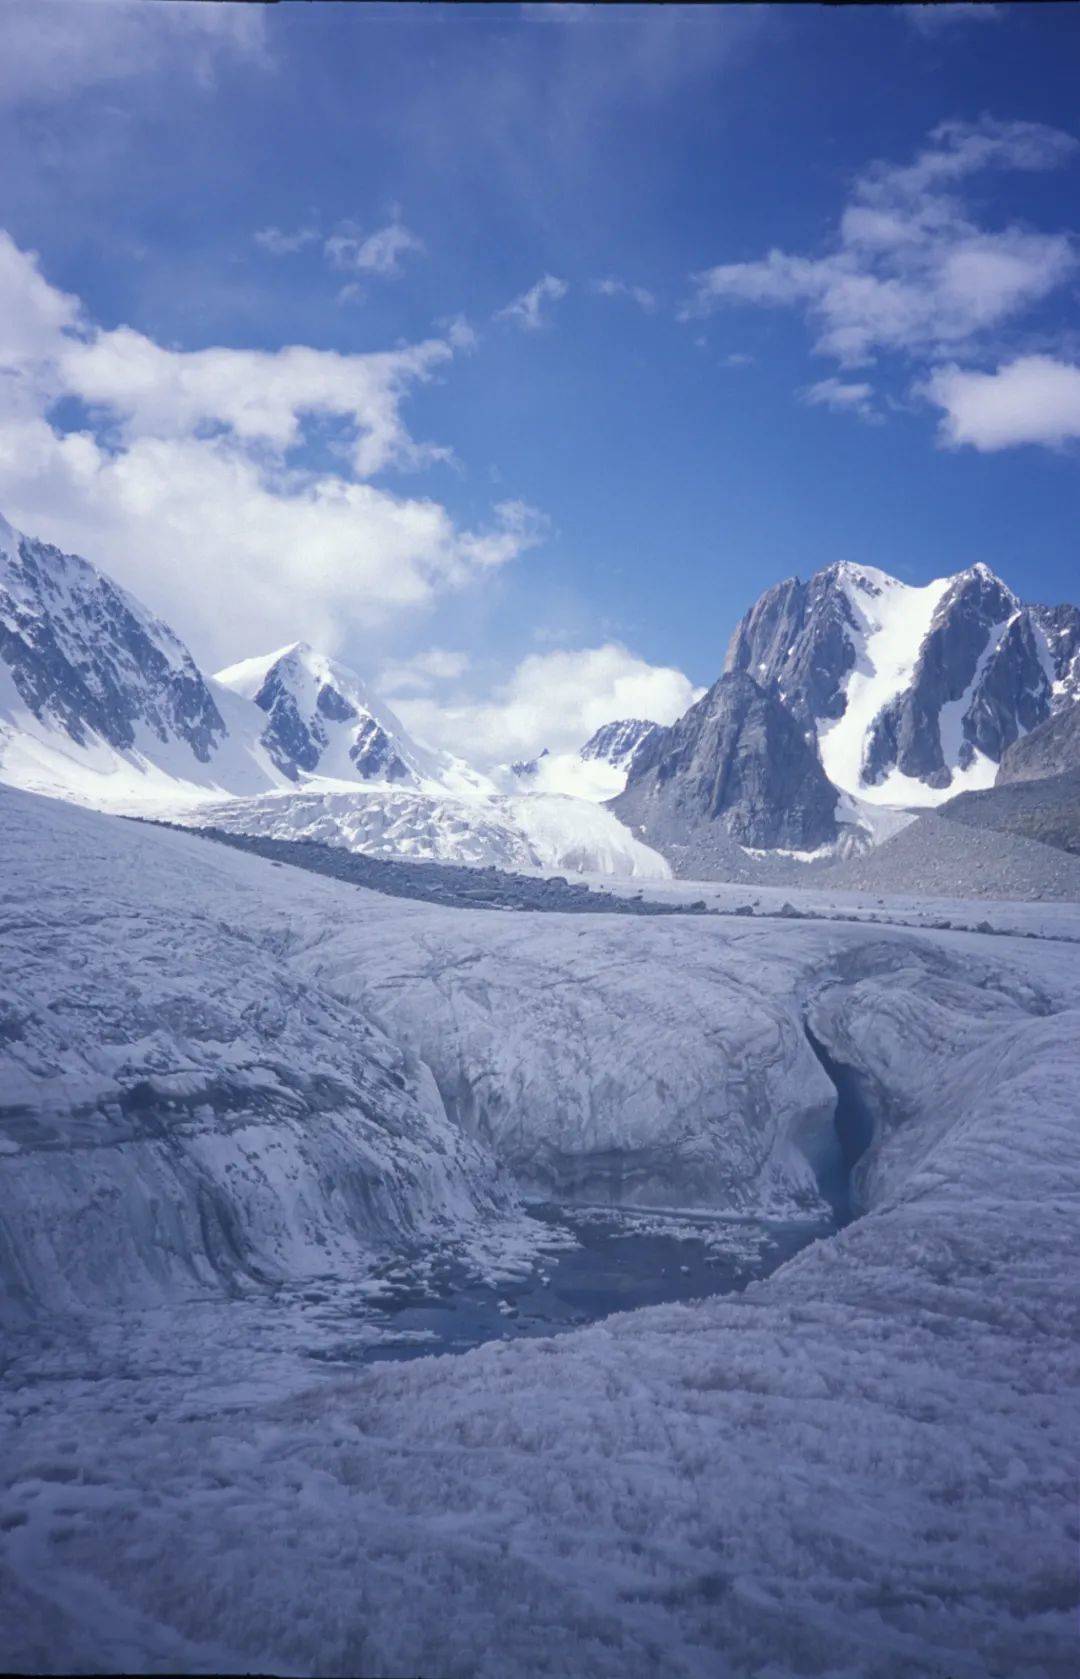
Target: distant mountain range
x,y
842,699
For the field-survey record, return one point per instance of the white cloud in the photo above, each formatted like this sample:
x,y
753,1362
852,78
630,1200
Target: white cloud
x,y
259,397
619,288
53,48
1034,399
909,270
421,672
182,483
280,243
459,332
942,15
376,253
554,700
844,398
527,310
736,358
348,248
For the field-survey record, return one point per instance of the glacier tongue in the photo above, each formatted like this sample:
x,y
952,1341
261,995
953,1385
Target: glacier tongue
x,y
864,1465
182,1111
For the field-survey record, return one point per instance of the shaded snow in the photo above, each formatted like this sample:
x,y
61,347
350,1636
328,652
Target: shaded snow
x,y
892,620
863,1466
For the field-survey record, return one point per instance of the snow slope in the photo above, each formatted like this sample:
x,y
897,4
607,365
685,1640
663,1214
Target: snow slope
x,y
100,701
324,720
892,620
523,831
864,1466
181,1109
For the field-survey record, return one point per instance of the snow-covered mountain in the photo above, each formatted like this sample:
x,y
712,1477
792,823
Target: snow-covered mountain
x,y
911,693
737,761
101,702
322,720
854,681
99,699
618,743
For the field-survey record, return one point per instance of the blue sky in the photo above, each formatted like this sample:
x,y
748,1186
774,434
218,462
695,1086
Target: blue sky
x,y
579,494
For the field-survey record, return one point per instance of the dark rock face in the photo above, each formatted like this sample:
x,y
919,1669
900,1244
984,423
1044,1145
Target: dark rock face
x,y
292,744
1060,626
85,655
907,735
373,753
334,705
618,743
1043,808
526,768
296,742
737,759
796,642
1051,749
1009,664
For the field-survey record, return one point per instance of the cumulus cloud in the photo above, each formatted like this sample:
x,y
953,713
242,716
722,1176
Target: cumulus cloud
x,y
843,397
554,700
528,309
910,271
619,288
54,48
1034,399
186,474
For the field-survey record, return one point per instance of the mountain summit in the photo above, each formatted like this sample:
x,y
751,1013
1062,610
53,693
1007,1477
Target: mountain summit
x,y
911,694
322,720
738,758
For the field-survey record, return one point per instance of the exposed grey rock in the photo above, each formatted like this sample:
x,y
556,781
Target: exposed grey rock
x,y
618,743
1061,627
1045,809
1007,664
947,858
526,768
1012,691
1051,749
309,701
737,760
796,642
86,656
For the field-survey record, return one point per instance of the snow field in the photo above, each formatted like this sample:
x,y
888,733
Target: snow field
x,y
864,1466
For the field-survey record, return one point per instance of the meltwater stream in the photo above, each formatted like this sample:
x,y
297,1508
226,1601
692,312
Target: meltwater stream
x,y
607,1260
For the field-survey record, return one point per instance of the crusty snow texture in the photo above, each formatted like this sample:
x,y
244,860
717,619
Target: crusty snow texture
x,y
864,1466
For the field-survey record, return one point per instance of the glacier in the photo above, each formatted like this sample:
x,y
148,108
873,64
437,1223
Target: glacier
x,y
101,703
525,831
863,1465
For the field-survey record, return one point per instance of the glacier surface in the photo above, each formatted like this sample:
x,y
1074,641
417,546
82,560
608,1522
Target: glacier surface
x,y
863,1466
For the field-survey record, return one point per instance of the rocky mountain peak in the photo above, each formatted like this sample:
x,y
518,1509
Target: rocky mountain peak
x,y
738,759
617,743
322,720
910,692
80,655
